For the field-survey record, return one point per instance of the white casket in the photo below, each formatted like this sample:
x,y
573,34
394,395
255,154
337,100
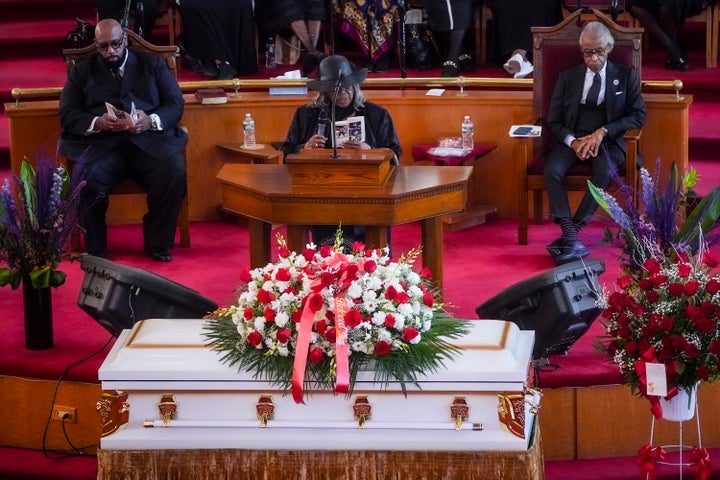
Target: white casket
x,y
164,389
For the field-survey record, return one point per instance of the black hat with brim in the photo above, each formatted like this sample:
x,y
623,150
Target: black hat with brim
x,y
337,68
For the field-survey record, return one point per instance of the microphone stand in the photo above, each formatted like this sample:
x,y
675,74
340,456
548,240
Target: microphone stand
x,y
338,84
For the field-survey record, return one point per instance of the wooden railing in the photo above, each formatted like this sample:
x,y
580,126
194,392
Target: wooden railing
x,y
237,85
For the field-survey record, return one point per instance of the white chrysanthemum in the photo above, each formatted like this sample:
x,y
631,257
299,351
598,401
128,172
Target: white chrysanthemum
x,y
283,351
355,290
384,334
259,324
362,347
413,278
405,309
369,296
378,318
282,319
416,340
373,283
286,299
426,325
415,292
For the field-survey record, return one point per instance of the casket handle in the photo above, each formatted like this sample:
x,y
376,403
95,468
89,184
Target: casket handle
x,y
459,411
168,409
362,410
265,408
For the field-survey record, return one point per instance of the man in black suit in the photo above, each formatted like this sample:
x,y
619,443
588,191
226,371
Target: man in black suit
x,y
592,107
105,149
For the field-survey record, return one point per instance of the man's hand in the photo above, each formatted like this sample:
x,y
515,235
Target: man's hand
x,y
355,145
143,122
111,123
588,146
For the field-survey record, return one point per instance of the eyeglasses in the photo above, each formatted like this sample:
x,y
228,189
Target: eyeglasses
x,y
114,44
598,52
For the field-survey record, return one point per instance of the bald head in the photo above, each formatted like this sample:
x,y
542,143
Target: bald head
x,y
108,27
110,40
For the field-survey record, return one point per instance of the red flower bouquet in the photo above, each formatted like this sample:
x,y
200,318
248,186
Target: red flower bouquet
x,y
319,316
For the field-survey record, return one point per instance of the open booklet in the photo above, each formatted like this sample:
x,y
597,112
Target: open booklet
x,y
352,128
128,119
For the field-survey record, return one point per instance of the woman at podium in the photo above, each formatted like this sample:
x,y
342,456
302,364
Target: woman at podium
x,y
340,108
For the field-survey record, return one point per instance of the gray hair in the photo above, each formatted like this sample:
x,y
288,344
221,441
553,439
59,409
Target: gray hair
x,y
598,29
322,99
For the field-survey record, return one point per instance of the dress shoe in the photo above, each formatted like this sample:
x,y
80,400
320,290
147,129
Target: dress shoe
x,y
449,69
572,251
466,63
382,64
97,253
158,253
556,247
311,62
226,71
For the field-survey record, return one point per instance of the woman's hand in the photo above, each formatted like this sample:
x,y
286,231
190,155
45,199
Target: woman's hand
x,y
316,141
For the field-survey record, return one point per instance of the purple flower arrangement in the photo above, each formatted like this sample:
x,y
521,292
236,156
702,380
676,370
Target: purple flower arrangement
x,y
37,217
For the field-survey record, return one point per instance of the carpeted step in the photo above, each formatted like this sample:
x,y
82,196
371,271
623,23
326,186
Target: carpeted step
x,y
19,10
34,38
22,464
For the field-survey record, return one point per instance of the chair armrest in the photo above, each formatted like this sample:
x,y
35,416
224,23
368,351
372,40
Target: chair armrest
x,y
633,135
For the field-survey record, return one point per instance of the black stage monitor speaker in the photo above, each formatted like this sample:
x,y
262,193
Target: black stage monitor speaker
x,y
560,305
117,296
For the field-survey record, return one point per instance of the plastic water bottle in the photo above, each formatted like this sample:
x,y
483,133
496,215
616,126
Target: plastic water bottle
x,y
270,61
468,142
249,131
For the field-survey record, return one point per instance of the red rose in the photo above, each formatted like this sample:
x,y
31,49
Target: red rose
x,y
715,347
297,316
390,320
691,351
709,259
330,335
658,279
245,275
402,297
321,327
315,303
703,372
353,318
631,347
707,308
409,333
283,251
308,254
428,299
684,270
254,338
666,324
327,279
646,284
382,348
651,265
675,289
691,288
282,274
643,345
624,281
652,296
391,293
291,289
425,273
316,355
283,335
713,286
269,314
248,313
326,250
624,332
370,266
264,296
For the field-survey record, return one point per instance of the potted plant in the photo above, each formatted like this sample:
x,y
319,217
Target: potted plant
x,y
36,219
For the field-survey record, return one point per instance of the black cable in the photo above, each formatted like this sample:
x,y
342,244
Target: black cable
x,y
75,452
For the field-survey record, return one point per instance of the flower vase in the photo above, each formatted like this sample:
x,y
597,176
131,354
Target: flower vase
x,y
37,307
681,407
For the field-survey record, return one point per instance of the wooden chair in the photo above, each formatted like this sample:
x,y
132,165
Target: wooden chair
x,y
555,49
614,8
711,17
129,187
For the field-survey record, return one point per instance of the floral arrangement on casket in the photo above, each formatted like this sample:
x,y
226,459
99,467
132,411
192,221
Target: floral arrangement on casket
x,y
666,308
318,317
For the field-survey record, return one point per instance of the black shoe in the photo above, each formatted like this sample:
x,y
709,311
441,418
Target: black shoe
x,y
449,69
97,253
158,253
572,251
382,64
556,247
682,63
226,72
466,63
209,68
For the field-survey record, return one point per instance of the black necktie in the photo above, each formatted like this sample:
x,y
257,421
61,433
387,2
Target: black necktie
x,y
594,93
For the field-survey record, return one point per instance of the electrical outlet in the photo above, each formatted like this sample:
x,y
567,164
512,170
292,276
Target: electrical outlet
x,y
69,413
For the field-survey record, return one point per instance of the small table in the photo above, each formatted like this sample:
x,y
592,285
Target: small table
x,y
236,152
475,214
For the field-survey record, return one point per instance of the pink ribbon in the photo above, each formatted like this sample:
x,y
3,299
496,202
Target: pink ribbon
x,y
339,265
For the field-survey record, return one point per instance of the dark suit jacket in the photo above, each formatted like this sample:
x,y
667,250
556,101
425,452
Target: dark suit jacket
x,y
147,81
624,105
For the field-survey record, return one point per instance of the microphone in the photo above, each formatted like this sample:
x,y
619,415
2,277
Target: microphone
x,y
322,122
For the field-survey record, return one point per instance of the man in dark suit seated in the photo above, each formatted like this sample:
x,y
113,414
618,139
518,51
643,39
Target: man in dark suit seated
x,y
593,105
146,145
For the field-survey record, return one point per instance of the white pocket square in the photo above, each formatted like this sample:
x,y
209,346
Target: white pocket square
x,y
620,92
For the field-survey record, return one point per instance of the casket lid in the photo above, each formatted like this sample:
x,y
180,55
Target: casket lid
x,y
495,355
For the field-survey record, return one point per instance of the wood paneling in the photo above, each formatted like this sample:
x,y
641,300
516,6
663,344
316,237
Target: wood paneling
x,y
419,119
